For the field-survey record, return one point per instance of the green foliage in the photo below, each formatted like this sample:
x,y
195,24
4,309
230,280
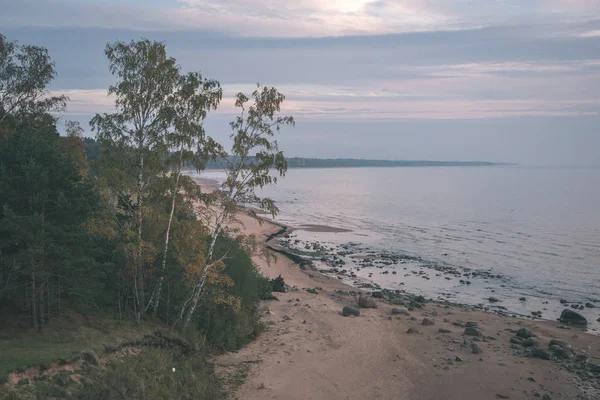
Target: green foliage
x,y
151,376
25,73
43,244
226,326
122,231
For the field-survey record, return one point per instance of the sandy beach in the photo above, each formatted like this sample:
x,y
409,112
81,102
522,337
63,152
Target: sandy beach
x,y
310,351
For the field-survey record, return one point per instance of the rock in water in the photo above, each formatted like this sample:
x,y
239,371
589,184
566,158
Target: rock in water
x,y
427,321
493,300
524,333
348,311
571,317
377,295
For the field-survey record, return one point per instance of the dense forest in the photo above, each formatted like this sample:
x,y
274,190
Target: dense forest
x,y
112,228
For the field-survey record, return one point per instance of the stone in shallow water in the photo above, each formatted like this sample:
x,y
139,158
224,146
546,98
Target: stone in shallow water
x,y
571,317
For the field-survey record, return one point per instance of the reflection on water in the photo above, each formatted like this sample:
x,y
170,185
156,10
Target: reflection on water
x,y
538,227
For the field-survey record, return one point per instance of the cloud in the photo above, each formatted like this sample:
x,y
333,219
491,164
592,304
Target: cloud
x,y
293,18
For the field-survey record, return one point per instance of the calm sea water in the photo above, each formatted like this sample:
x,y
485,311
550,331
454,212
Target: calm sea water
x,y
537,227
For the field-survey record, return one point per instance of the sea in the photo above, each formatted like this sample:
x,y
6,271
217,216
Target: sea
x,y
527,237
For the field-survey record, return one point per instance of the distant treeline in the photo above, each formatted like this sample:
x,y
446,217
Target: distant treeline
x,y
93,149
298,162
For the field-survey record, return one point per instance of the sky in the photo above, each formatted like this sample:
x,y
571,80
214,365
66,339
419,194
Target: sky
x,y
492,80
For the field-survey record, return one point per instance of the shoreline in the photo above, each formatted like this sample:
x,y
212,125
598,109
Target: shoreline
x,y
309,350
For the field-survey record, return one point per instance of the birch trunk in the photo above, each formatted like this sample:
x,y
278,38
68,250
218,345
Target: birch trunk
x,y
139,282
200,284
159,284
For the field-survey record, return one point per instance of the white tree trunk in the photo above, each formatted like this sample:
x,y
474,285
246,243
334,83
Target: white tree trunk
x,y
159,284
199,286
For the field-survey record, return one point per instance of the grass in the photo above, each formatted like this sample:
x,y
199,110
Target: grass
x,y
65,338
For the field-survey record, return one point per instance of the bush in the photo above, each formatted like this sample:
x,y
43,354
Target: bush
x,y
151,376
225,326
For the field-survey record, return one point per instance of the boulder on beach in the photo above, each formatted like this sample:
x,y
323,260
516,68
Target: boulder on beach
x,y
560,343
412,330
530,342
524,333
427,321
400,311
377,294
350,311
472,331
572,317
365,302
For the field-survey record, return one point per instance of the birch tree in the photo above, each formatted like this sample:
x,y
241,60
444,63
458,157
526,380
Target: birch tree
x,y
146,78
255,161
25,73
189,106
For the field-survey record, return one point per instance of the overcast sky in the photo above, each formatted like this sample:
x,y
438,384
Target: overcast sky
x,y
497,80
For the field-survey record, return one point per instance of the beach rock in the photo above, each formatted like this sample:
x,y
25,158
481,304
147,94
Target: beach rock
x,y
539,353
546,397
348,311
561,353
524,333
427,321
443,330
472,331
397,302
420,299
412,330
560,343
563,301
470,324
400,311
522,299
573,318
589,305
476,349
530,342
516,340
493,300
365,302
313,291
377,295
